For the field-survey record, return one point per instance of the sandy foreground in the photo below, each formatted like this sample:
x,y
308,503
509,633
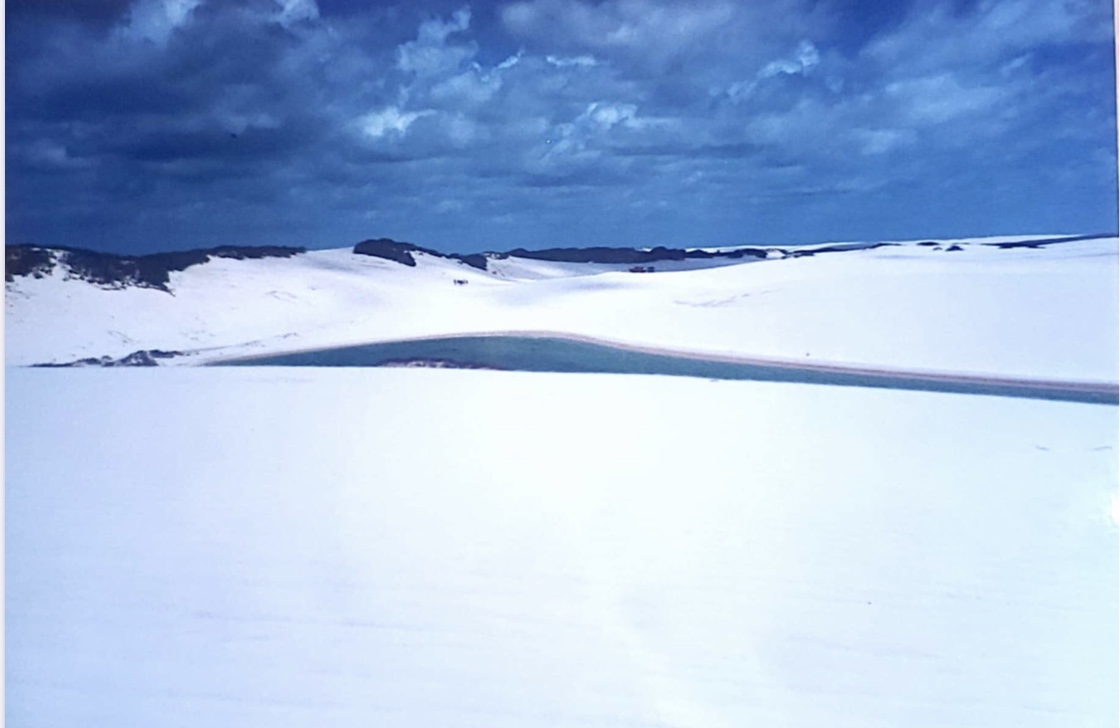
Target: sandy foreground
x,y
301,546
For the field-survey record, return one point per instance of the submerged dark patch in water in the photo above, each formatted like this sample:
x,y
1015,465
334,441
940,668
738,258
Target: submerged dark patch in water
x,y
551,354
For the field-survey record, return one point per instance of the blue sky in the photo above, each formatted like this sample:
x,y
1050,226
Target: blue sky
x,y
148,125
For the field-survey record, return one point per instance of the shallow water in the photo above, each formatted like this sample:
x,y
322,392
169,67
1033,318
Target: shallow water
x,y
555,354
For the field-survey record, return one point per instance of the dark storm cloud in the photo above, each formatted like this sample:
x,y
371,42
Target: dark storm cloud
x,y
93,12
467,126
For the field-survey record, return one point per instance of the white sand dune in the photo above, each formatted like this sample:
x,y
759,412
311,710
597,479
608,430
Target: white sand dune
x,y
347,547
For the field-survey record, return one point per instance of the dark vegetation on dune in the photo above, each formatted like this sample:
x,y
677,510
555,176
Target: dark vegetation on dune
x,y
836,249
26,260
627,256
1050,241
143,358
119,271
399,252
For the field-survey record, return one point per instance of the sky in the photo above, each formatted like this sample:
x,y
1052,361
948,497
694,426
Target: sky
x,y
137,126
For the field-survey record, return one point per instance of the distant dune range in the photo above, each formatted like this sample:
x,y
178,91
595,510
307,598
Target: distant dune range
x,y
1027,311
153,270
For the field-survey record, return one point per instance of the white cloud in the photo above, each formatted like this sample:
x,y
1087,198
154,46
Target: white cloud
x,y
389,120
472,87
882,141
941,98
606,116
804,59
936,37
509,62
436,30
156,20
1013,66
576,61
45,154
293,11
460,130
430,54
654,30
451,205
